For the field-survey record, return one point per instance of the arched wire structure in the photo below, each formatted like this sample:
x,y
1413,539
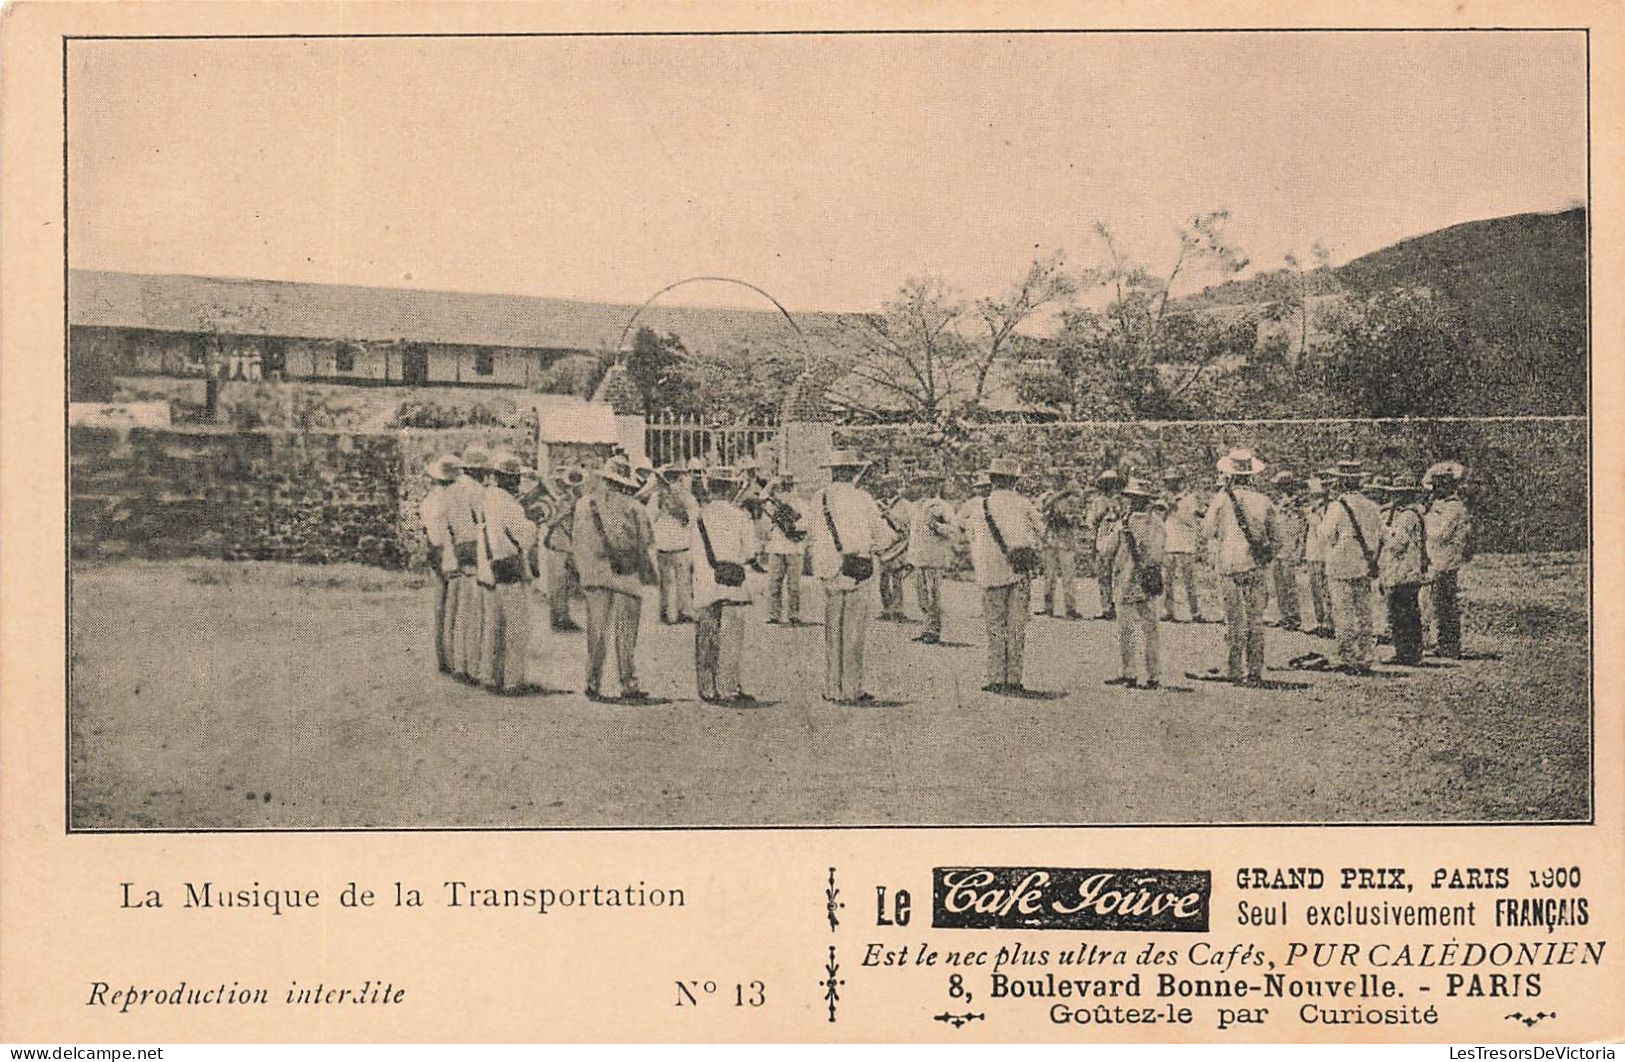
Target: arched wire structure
x,y
795,327
692,280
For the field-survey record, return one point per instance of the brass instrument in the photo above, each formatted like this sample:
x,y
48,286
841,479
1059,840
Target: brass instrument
x,y
785,518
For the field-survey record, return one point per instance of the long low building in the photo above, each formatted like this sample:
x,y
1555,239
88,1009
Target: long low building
x,y
124,324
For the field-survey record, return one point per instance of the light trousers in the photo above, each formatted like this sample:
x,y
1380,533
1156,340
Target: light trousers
x,y
1351,615
929,585
1060,569
442,629
1180,570
1286,593
1244,599
784,586
1320,594
719,648
676,584
1137,630
891,591
846,624
612,615
506,638
466,601
1005,608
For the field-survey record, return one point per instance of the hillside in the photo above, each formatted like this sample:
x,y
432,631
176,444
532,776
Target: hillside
x,y
1518,283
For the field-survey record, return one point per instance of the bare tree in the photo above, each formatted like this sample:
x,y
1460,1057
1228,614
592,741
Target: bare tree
x,y
1044,285
911,353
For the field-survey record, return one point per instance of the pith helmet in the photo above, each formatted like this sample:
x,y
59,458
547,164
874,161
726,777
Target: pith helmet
x,y
1447,470
443,468
1240,462
504,463
619,470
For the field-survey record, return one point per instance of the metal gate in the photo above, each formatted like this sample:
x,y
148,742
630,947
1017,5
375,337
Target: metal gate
x,y
677,438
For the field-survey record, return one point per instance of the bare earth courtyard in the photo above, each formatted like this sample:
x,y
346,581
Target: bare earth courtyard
x,y
208,695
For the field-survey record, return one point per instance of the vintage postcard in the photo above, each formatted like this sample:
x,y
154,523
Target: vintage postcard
x,y
550,522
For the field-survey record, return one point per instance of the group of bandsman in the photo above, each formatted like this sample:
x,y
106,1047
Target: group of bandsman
x,y
692,531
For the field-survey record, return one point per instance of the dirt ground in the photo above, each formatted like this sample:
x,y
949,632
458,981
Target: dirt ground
x,y
232,696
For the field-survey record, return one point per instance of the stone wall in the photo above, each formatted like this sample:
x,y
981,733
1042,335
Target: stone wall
x,y
314,497
1527,480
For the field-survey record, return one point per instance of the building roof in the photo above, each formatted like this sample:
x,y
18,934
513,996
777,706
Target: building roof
x,y
173,303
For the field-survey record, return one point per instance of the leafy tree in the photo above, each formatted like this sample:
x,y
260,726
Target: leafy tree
x,y
1402,352
651,364
739,384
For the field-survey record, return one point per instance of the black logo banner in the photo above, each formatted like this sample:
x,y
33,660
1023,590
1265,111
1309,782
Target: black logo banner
x,y
1091,898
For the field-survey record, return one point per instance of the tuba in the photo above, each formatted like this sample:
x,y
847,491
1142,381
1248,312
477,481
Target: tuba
x,y
785,518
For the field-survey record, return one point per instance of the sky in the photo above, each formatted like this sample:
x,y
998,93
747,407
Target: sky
x,y
825,169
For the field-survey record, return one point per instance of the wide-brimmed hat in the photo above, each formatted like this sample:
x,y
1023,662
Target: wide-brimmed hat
x,y
505,463
981,479
674,468
1404,483
1377,485
475,457
1004,466
619,470
1284,478
844,459
1110,475
443,468
1138,488
1240,462
1349,468
1452,470
1170,474
722,474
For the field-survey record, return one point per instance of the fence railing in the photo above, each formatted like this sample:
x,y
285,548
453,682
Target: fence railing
x,y
672,437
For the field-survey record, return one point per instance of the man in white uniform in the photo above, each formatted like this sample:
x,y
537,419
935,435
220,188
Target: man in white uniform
x,y
1182,529
1004,530
931,529
1241,524
671,511
846,530
507,537
1352,532
442,471
723,542
786,546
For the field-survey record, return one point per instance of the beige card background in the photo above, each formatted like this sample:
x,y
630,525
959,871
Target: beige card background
x,y
756,901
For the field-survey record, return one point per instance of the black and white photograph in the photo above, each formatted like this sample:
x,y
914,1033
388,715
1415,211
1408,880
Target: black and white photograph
x,y
828,429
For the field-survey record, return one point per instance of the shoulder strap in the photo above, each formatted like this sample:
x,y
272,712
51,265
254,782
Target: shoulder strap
x,y
1253,545
1422,537
830,520
992,525
598,521
1359,533
1133,546
705,540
